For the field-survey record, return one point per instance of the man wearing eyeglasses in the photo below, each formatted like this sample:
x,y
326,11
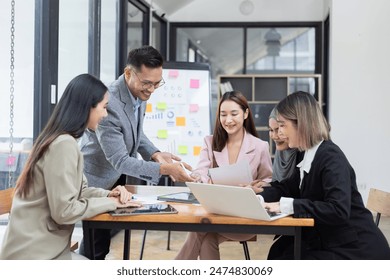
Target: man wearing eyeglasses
x,y
111,152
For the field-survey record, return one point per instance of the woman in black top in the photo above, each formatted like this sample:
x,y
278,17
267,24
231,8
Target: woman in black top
x,y
323,188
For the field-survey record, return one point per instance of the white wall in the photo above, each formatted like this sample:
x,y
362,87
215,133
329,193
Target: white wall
x,y
360,87
264,10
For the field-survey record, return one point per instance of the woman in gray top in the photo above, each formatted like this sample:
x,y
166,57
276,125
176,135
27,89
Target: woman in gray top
x,y
285,159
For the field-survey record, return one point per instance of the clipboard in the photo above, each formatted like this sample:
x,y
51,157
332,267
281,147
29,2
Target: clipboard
x,y
146,209
184,197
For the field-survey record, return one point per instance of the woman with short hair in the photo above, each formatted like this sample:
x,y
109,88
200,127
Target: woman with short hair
x,y
323,188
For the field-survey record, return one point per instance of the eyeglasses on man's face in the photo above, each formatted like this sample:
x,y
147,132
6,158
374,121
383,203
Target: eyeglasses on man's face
x,y
150,85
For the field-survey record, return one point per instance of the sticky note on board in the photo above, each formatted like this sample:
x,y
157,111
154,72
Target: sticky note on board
x,y
180,121
194,83
194,108
196,150
161,106
173,73
162,134
149,108
183,150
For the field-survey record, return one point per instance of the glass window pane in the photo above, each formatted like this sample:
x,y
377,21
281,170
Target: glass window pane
x,y
134,27
156,34
23,87
73,41
108,39
225,59
287,49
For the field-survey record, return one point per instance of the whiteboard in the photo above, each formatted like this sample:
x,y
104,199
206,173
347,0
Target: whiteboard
x,y
178,116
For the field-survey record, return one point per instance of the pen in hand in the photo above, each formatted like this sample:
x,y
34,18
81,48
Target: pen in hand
x,y
193,175
185,169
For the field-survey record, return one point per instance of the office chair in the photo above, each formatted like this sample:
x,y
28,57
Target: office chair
x,y
6,200
6,197
379,202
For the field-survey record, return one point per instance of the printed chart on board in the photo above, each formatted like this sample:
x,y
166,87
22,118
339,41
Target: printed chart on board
x,y
177,116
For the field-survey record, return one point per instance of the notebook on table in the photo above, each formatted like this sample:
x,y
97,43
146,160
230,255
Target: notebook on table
x,y
185,197
146,209
231,201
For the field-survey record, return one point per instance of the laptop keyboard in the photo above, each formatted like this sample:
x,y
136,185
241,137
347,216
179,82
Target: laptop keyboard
x,y
272,214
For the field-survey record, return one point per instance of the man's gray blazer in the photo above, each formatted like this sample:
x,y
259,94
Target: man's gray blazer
x,y
112,150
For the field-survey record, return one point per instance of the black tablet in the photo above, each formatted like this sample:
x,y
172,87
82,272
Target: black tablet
x,y
145,209
186,197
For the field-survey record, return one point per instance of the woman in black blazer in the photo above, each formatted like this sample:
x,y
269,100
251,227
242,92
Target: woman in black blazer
x,y
324,188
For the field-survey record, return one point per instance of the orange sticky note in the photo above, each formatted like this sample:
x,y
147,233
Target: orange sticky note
x,y
194,83
197,150
194,108
173,73
148,107
180,121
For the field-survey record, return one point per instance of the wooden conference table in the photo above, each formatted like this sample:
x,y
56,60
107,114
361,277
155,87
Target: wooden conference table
x,y
190,218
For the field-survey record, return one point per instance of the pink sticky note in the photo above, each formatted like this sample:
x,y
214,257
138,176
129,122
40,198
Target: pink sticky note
x,y
11,160
173,73
194,83
194,108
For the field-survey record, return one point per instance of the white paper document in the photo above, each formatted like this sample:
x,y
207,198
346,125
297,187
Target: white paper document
x,y
232,175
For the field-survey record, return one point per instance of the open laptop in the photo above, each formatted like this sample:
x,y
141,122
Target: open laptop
x,y
231,201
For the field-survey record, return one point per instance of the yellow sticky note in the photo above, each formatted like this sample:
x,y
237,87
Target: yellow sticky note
x,y
162,134
148,108
183,150
161,105
197,150
180,121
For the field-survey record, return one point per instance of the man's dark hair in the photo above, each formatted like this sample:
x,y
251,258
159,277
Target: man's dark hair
x,y
146,55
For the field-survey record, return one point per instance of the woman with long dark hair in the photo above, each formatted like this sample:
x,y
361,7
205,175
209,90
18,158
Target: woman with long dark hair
x,y
51,193
234,140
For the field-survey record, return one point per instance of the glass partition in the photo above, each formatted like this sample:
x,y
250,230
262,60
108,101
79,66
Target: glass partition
x,y
287,50
73,41
221,47
156,31
134,27
23,87
108,41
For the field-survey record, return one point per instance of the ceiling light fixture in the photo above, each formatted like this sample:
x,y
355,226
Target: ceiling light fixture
x,y
246,7
272,40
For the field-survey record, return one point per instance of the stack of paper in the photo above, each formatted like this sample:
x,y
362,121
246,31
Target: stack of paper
x,y
232,175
